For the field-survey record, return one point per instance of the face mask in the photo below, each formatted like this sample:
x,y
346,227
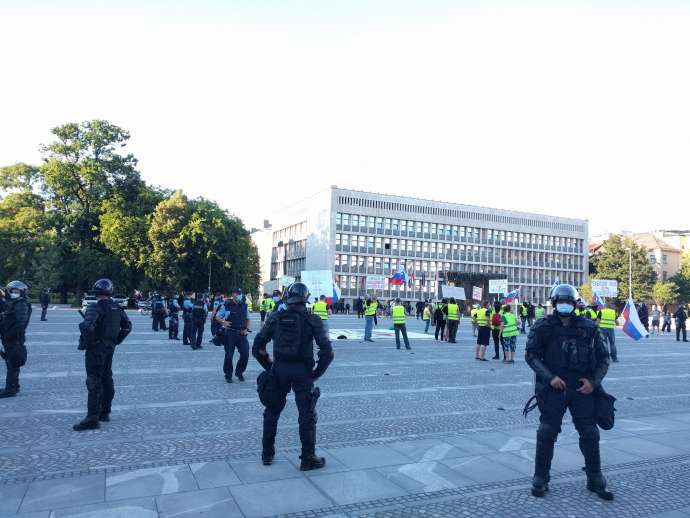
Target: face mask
x,y
14,295
238,298
564,309
276,299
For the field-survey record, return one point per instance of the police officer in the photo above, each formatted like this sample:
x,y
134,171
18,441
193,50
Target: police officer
x,y
199,314
234,317
570,360
105,325
174,321
293,332
44,299
13,323
158,312
187,307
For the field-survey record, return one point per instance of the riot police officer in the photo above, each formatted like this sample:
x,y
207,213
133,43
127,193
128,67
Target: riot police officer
x,y
174,320
233,316
44,299
293,332
105,325
158,312
199,314
13,324
569,358
187,307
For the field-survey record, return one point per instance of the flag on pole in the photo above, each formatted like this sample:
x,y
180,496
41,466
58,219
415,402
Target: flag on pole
x,y
512,295
598,301
632,326
400,277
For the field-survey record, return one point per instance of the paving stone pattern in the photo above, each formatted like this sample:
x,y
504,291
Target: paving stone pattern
x,y
433,433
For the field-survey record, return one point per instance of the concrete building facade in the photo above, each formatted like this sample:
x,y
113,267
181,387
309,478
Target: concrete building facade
x,y
358,234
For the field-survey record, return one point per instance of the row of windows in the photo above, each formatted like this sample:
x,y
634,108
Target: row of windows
x,y
294,232
441,231
393,263
293,268
426,208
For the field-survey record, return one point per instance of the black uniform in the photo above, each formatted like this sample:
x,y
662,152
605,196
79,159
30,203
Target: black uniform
x,y
237,316
158,314
569,352
15,319
199,314
187,319
44,299
174,321
681,317
293,332
105,325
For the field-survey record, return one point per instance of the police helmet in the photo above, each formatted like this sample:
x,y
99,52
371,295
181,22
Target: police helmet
x,y
103,287
17,285
297,293
236,291
564,293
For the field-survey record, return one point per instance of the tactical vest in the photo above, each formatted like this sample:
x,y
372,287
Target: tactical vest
x,y
290,335
198,312
108,323
398,315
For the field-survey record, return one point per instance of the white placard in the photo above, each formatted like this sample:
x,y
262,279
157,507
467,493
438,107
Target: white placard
x,y
375,282
477,293
605,287
498,285
319,282
453,291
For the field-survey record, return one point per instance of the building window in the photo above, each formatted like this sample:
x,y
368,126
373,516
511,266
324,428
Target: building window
x,y
396,225
355,221
338,218
403,225
379,224
664,260
346,219
664,275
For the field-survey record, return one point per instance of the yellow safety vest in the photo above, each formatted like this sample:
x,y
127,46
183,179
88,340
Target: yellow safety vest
x,y
370,310
539,313
473,315
321,310
453,311
427,314
398,315
608,319
481,317
509,325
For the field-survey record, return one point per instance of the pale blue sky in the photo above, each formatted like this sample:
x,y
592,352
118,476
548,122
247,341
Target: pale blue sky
x,y
572,110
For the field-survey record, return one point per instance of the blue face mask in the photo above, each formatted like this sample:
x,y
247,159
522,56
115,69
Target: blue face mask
x,y
238,298
564,309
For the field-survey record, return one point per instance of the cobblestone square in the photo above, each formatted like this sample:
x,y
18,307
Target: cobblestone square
x,y
430,432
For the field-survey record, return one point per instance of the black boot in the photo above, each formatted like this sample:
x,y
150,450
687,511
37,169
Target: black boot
x,y
542,467
268,439
595,479
86,424
267,457
311,461
104,417
8,392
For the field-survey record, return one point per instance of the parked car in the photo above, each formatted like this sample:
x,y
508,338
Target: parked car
x,y
90,298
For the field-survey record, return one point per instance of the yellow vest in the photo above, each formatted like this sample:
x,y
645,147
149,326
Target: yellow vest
x,y
398,314
427,314
608,319
539,312
453,312
481,317
320,309
370,310
473,315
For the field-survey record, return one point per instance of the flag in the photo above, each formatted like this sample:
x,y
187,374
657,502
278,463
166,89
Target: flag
x,y
598,301
632,326
336,295
512,295
400,277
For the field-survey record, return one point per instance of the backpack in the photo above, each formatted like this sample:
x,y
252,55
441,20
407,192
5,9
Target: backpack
x,y
496,320
287,340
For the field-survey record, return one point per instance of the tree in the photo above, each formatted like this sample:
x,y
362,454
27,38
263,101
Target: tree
x,y
682,278
665,293
586,291
612,263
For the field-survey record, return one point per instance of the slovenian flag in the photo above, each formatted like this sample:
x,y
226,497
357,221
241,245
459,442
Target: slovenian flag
x,y
598,301
632,326
336,295
511,296
400,277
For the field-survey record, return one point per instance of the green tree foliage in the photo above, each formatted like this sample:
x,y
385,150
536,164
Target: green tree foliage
x,y
682,279
665,293
85,213
612,263
586,291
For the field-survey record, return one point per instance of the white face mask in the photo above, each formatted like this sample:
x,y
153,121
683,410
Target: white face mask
x,y
14,295
564,309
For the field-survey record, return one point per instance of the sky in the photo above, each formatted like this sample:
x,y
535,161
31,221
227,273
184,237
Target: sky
x,y
573,108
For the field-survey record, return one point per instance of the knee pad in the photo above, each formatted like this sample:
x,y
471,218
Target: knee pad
x,y
548,432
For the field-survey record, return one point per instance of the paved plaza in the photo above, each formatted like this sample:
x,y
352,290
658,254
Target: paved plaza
x,y
432,433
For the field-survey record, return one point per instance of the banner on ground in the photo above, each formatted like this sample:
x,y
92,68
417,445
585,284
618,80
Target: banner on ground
x,y
605,287
453,291
375,282
319,282
498,285
477,293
